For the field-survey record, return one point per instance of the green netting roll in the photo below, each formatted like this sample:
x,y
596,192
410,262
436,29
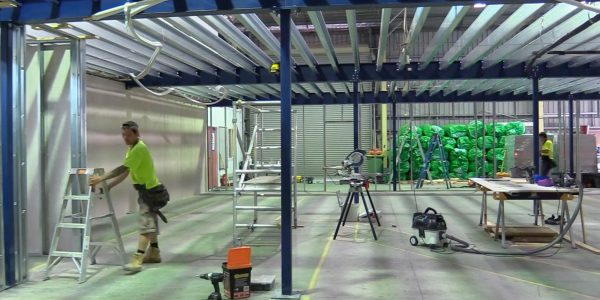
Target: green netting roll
x,y
456,131
424,142
475,128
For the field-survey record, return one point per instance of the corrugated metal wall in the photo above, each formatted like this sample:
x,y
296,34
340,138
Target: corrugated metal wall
x,y
590,113
324,135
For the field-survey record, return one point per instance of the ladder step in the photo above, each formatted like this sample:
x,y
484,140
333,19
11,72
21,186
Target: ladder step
x,y
71,225
101,217
258,171
258,208
250,226
77,197
66,254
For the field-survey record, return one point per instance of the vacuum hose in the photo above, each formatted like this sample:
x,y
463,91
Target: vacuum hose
x,y
468,248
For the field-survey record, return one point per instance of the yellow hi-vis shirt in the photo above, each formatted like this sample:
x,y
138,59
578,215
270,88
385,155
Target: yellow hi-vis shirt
x,y
141,167
548,149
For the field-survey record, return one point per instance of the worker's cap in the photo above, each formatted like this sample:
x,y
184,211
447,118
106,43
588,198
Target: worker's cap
x,y
130,125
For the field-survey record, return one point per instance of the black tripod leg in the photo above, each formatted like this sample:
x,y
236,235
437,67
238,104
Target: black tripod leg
x,y
350,201
373,207
346,204
368,217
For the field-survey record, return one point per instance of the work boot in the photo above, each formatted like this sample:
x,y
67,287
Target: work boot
x,y
136,263
152,256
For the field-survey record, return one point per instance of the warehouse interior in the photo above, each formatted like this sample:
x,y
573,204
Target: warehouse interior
x,y
315,133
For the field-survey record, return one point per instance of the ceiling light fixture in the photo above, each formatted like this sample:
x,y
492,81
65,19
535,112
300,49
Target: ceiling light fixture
x,y
479,5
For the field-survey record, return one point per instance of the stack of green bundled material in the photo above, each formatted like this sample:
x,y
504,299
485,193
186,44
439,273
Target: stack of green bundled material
x,y
449,144
515,128
429,130
498,152
463,142
500,129
405,131
489,142
476,129
456,131
459,165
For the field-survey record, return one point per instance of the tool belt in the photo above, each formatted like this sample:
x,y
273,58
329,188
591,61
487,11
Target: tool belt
x,y
156,198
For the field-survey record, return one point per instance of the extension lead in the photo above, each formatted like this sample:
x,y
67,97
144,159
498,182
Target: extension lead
x,y
468,248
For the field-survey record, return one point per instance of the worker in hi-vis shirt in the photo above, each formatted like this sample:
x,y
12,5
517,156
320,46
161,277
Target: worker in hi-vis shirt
x,y
139,164
547,155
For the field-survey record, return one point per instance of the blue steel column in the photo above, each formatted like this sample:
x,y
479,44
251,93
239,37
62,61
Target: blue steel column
x,y
536,123
355,121
571,141
394,145
286,155
8,192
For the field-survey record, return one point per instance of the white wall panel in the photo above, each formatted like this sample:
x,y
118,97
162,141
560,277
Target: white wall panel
x,y
175,135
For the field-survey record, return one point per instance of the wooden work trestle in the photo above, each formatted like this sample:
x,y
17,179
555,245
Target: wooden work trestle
x,y
512,190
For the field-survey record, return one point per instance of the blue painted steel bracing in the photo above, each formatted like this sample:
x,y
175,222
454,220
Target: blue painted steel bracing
x,y
368,72
43,11
411,97
536,124
286,155
6,97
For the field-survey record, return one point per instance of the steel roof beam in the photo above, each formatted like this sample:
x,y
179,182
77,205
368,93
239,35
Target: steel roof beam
x,y
180,53
566,26
389,72
127,45
486,18
503,32
414,31
238,39
170,36
411,97
586,40
544,24
453,18
386,14
353,31
316,17
194,28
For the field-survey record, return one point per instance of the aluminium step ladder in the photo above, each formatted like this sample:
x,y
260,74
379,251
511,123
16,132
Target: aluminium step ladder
x,y
262,163
403,142
82,198
435,142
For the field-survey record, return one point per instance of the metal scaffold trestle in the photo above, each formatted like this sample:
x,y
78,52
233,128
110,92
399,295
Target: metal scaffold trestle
x,y
259,174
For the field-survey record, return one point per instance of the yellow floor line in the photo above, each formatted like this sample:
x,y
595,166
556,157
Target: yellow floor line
x,y
315,276
493,273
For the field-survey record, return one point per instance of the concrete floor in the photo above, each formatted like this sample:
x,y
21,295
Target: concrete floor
x,y
353,267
